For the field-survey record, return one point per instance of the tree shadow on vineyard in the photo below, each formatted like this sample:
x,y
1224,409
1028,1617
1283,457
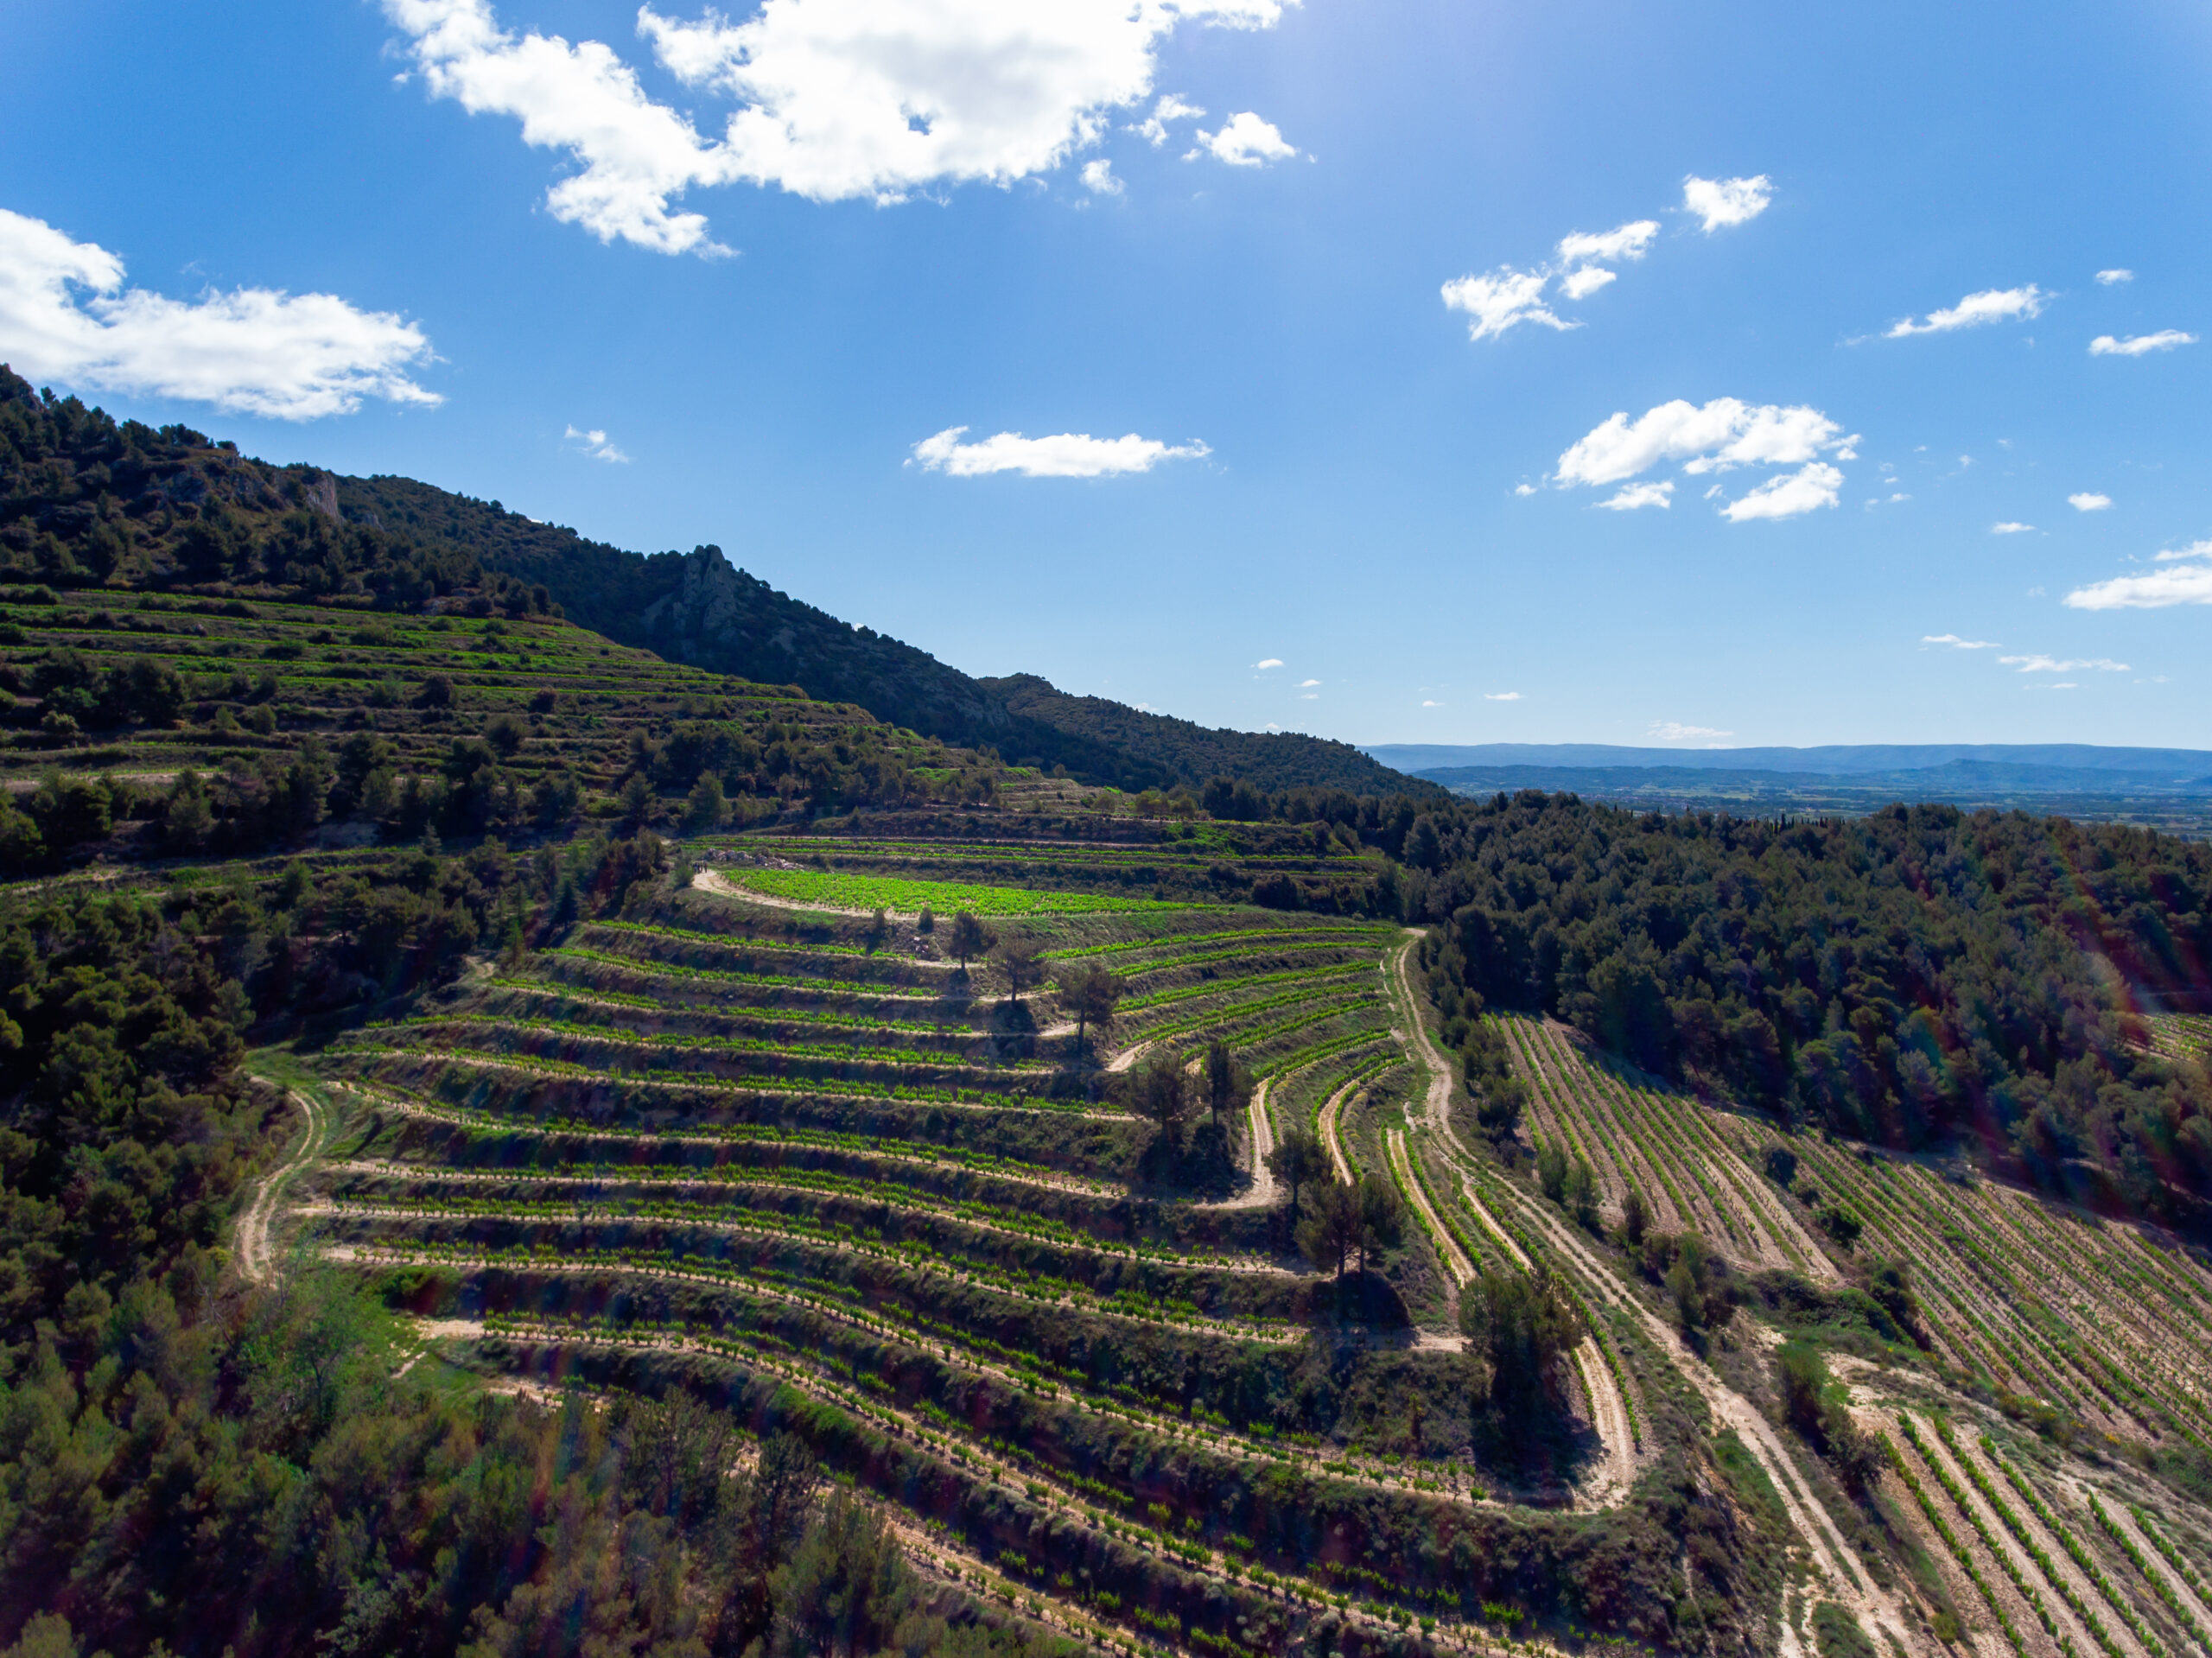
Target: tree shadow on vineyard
x,y
1202,1164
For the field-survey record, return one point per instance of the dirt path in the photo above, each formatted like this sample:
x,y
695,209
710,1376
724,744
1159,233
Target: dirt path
x,y
713,881
1608,1413
1875,1608
1609,1416
1261,1192
1437,1106
1328,1124
1128,1057
1448,1248
253,1253
1506,1242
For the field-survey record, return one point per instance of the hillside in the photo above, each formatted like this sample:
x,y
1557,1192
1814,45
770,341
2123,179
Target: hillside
x,y
696,608
570,1150
83,500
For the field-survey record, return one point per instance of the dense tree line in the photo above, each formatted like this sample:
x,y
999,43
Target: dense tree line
x,y
1901,978
85,499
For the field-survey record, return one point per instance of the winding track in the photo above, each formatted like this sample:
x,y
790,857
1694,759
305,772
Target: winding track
x,y
254,1256
1330,1115
1261,1192
1873,1606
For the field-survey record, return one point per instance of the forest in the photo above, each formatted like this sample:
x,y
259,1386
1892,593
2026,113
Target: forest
x,y
1904,977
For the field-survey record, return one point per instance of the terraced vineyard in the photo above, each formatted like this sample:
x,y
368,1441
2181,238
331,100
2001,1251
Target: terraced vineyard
x,y
804,1165
2033,1315
798,1161
2182,1036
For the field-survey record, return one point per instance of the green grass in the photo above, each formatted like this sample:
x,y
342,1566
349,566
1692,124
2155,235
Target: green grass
x,y
945,898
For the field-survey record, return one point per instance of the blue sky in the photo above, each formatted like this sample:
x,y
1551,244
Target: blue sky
x,y
776,257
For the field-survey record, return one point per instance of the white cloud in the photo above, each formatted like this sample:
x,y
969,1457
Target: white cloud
x,y
1153,129
1811,486
1098,178
2182,584
2140,343
2042,664
1066,455
1246,141
1580,285
1501,299
1991,305
1631,241
1431,705
2009,527
1958,643
2109,277
2088,501
1304,684
1309,697
1674,731
1270,662
2195,549
1501,696
1524,489
1725,202
1632,496
1721,433
65,315
835,98
596,446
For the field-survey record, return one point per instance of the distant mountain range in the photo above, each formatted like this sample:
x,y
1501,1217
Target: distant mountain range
x,y
2061,768
2168,789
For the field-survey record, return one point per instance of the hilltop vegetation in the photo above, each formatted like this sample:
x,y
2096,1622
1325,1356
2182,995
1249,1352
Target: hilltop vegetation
x,y
1898,978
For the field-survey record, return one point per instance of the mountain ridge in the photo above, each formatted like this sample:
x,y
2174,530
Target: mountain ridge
x,y
2176,766
701,609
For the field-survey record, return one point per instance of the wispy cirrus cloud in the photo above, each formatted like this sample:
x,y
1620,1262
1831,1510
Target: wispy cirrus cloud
x,y
2009,527
2139,345
1958,643
2042,665
2115,275
1064,454
1501,696
1975,311
66,316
